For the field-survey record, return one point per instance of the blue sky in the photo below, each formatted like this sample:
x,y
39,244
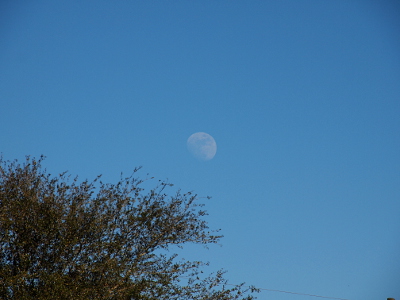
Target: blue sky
x,y
302,98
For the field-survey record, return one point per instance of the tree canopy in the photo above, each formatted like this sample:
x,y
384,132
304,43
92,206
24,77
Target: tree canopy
x,y
65,239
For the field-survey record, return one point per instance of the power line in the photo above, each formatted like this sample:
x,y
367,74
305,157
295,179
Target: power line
x,y
302,294
294,293
269,290
287,292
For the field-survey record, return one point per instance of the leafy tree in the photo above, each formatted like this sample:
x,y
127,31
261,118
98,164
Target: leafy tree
x,y
64,239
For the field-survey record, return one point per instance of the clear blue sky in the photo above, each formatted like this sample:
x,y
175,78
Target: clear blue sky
x,y
302,98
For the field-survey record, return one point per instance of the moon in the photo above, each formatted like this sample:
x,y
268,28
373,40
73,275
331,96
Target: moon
x,y
202,146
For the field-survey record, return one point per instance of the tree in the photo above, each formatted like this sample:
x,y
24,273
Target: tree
x,y
65,239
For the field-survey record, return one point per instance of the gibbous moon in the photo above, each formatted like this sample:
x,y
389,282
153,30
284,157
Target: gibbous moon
x,y
202,146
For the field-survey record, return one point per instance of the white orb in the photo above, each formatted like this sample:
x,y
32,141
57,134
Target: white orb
x,y
202,146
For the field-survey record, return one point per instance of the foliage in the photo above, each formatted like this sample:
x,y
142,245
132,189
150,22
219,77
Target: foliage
x,y
64,239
